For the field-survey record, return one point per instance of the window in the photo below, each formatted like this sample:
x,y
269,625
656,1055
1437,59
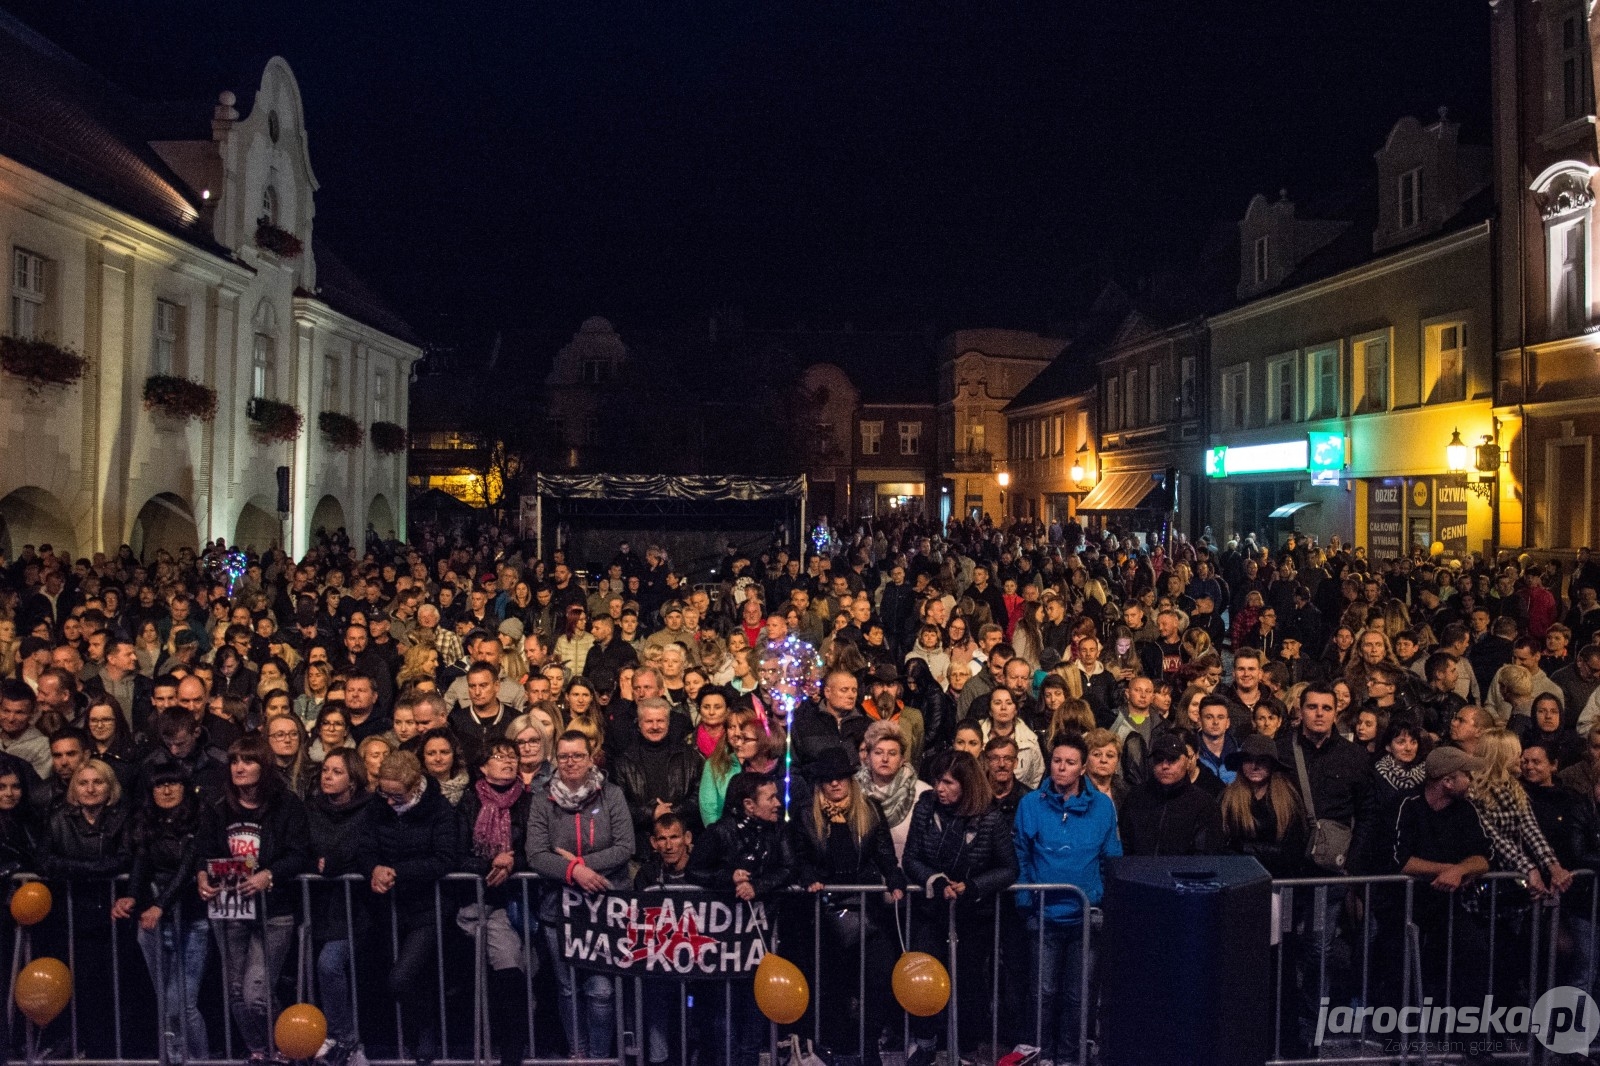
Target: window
x,y
1322,382
380,396
269,205
1568,465
871,438
1447,357
164,338
596,370
330,382
1410,198
1186,387
1130,400
1280,389
975,443
1569,274
1571,65
262,371
1261,260
1235,397
27,294
1156,406
591,430
1113,403
1082,431
1372,369
1058,427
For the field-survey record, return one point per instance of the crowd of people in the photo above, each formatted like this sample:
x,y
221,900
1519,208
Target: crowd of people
x,y
976,708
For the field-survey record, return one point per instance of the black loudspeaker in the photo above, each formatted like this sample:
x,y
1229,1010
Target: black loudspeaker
x,y
1186,962
283,490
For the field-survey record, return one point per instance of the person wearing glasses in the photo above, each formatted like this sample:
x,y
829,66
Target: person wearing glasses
x,y
411,840
580,835
260,821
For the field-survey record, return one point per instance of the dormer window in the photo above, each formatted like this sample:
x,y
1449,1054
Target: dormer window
x,y
1261,261
1410,190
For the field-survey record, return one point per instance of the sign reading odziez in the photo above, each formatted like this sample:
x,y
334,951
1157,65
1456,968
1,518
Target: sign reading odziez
x,y
668,933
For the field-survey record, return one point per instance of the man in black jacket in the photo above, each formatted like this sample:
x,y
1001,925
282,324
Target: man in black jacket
x,y
657,774
1169,814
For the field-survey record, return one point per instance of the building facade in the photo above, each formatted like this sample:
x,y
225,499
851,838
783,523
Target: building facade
x,y
1359,349
179,253
980,372
1546,345
893,458
1050,436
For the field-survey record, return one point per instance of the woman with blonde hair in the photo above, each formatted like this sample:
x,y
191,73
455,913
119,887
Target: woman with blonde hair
x,y
421,664
1074,716
1517,842
535,750
1261,812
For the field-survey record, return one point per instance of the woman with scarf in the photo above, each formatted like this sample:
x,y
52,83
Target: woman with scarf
x,y
494,825
959,851
746,745
1398,773
337,810
841,838
580,835
441,759
748,851
886,778
410,839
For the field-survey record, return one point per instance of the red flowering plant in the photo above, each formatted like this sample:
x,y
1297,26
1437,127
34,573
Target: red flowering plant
x,y
280,242
41,362
342,431
388,438
180,397
274,419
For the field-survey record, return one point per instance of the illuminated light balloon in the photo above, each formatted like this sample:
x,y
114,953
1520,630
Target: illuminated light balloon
x,y
42,990
300,1031
1436,549
781,990
30,903
921,984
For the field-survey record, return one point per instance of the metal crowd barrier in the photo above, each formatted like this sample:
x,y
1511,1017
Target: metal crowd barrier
x,y
1327,950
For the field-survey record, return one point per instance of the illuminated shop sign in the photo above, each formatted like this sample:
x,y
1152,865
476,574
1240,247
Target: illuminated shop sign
x,y
1320,454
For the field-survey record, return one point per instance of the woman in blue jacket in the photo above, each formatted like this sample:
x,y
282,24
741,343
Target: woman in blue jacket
x,y
1063,830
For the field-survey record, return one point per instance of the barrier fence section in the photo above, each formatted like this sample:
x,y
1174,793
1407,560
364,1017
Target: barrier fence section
x,y
1334,939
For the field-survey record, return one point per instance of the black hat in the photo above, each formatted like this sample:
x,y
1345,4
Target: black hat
x,y
1257,747
1167,746
832,765
886,674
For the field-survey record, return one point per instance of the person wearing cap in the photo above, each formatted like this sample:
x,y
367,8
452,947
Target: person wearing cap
x,y
1440,838
842,838
884,705
1169,814
1261,811
1064,831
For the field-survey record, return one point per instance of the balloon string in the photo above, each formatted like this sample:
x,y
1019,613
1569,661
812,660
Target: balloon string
x,y
766,948
899,929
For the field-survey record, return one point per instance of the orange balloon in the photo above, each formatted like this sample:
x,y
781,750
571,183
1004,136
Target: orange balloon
x,y
42,989
921,984
300,1031
781,990
30,903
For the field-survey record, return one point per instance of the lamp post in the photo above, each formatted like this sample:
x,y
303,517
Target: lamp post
x,y
1004,479
1484,460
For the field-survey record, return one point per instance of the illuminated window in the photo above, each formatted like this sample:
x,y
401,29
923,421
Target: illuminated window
x,y
1447,357
871,438
263,380
1569,274
1372,372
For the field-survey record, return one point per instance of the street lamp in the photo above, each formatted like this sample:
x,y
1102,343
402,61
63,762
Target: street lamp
x,y
1455,454
1079,470
1004,478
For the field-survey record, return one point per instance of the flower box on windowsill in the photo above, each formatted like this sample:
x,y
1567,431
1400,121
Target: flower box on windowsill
x,y
388,438
343,432
275,420
179,398
280,242
41,363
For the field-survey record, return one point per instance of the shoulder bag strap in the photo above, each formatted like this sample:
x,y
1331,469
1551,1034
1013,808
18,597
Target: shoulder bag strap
x,y
1305,782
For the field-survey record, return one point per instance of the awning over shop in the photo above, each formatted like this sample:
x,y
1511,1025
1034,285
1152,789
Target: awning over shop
x,y
1289,510
1126,490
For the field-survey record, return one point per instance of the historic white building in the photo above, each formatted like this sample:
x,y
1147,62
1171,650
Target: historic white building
x,y
138,237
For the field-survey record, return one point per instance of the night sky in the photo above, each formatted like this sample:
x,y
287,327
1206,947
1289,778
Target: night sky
x,y
883,162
